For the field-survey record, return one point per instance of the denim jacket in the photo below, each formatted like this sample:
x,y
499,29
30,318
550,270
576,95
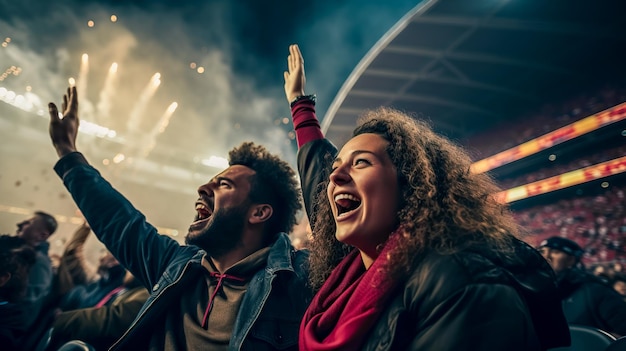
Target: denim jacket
x,y
277,296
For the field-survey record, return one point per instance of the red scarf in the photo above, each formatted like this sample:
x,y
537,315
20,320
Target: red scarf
x,y
348,303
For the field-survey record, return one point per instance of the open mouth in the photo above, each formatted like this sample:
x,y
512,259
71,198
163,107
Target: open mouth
x,y
203,212
346,203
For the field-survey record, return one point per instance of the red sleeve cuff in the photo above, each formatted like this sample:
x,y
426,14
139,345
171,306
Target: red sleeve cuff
x,y
305,122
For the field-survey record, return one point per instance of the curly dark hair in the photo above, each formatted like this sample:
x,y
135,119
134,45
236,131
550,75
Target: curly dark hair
x,y
444,207
274,182
16,258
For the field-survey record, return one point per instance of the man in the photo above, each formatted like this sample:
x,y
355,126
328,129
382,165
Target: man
x,y
35,231
237,285
586,299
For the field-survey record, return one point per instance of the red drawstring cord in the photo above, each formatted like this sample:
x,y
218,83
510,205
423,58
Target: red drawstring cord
x,y
108,296
220,278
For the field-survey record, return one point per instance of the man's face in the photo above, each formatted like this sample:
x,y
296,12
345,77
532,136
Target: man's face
x,y
33,230
222,211
620,287
558,259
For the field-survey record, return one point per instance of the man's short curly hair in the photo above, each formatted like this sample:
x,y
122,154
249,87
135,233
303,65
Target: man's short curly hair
x,y
274,183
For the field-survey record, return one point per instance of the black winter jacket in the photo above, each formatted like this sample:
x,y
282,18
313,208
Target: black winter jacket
x,y
589,301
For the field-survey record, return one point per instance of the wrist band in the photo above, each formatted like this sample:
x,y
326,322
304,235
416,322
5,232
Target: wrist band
x,y
311,98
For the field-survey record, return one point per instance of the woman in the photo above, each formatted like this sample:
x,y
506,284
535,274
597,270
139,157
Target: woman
x,y
410,251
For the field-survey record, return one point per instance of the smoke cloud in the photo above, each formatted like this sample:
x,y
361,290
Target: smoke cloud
x,y
221,62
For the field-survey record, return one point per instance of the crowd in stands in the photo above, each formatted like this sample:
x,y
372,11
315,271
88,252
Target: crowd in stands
x,y
613,273
596,222
547,119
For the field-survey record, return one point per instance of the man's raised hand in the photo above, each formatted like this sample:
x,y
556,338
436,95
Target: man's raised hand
x,y
63,130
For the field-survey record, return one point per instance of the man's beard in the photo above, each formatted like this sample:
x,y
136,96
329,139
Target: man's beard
x,y
224,233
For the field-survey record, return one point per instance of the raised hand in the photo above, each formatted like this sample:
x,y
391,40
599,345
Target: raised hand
x,y
294,78
63,131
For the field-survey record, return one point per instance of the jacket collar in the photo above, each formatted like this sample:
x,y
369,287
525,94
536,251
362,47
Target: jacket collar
x,y
280,255
278,259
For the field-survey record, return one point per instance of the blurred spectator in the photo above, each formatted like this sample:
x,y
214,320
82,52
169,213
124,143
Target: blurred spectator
x,y
55,260
586,299
16,259
100,326
73,270
619,284
36,231
300,234
601,272
110,276
98,310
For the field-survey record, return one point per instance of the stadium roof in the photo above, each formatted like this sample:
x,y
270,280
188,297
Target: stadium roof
x,y
469,65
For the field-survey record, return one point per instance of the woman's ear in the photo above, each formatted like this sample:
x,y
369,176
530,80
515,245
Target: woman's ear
x,y
260,213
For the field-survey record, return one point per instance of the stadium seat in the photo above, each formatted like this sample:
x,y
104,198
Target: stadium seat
x,y
617,345
76,345
587,338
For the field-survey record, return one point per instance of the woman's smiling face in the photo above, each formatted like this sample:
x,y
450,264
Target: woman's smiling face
x,y
363,193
